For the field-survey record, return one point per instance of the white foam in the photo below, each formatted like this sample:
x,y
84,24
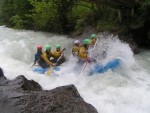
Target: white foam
x,y
126,90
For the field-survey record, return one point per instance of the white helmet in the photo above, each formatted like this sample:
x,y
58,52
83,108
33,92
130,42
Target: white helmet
x,y
76,42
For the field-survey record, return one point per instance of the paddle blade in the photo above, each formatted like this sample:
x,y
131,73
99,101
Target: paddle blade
x,y
49,72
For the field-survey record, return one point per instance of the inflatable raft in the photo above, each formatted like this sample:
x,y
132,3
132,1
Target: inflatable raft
x,y
42,70
95,69
99,68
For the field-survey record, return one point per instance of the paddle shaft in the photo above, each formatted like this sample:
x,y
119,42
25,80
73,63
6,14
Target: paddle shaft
x,y
51,69
93,47
60,57
90,54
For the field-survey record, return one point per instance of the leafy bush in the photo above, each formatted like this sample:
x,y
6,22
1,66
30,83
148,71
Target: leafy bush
x,y
17,22
64,16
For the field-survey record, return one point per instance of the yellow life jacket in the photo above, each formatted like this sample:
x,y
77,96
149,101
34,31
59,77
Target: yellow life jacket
x,y
56,54
75,50
45,58
93,41
83,53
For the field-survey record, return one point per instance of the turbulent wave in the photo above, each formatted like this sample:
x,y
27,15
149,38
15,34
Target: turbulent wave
x,y
126,90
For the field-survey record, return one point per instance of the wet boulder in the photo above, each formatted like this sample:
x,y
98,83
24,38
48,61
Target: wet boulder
x,y
26,96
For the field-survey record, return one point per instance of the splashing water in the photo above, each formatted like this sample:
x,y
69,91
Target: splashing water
x,y
126,90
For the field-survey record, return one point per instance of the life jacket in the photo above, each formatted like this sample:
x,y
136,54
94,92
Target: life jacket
x,y
37,56
56,54
93,41
45,58
83,53
75,50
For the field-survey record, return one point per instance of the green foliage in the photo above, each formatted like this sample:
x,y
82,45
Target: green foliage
x,y
142,14
105,25
136,22
81,9
100,16
107,19
17,22
145,9
79,23
63,11
6,11
147,2
42,14
64,16
1,4
16,10
52,14
80,12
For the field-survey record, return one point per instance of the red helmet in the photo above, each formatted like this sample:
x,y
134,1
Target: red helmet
x,y
39,47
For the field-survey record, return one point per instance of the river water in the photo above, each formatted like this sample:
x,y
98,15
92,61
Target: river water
x,y
125,90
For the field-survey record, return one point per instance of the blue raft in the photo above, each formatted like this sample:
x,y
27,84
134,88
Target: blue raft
x,y
98,68
42,70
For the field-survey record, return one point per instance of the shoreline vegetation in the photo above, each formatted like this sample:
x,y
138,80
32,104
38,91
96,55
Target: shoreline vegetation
x,y
74,16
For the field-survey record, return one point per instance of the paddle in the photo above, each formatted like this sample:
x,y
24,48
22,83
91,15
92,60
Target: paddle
x,y
34,64
84,66
50,71
52,67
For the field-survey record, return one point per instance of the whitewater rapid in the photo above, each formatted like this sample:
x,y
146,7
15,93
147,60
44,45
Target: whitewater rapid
x,y
126,90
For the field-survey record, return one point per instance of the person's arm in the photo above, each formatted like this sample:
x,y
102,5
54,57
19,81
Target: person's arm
x,y
35,59
44,56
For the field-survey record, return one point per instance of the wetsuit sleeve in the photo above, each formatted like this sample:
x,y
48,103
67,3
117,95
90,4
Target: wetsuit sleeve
x,y
44,56
35,57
